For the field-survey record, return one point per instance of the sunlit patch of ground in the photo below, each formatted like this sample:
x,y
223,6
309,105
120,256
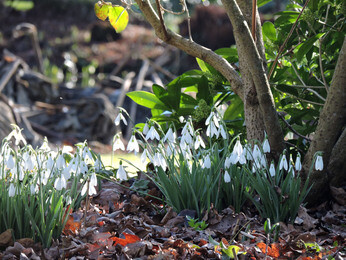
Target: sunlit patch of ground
x,y
114,162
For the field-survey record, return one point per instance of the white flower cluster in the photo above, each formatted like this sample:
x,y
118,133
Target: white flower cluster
x,y
42,165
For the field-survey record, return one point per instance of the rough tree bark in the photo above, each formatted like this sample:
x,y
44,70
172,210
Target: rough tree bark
x,y
253,69
330,136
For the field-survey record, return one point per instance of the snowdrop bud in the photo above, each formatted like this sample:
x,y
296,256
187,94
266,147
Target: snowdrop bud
x,y
33,189
181,119
266,146
121,173
298,164
10,162
222,132
319,163
226,177
256,152
11,190
145,129
272,170
283,163
228,162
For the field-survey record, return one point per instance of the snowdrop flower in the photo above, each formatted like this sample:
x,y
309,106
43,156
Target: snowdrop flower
x,y
266,146
206,162
17,134
119,118
319,163
60,162
199,142
226,177
170,150
117,143
212,130
181,119
283,163
152,134
19,172
145,129
248,153
92,184
11,190
272,170
222,132
83,168
170,136
242,159
45,147
121,173
60,183
98,164
87,154
187,138
298,164
227,162
10,162
133,145
188,128
256,153
28,163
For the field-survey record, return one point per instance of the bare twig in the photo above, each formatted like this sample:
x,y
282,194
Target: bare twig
x,y
292,129
159,11
286,40
297,86
253,27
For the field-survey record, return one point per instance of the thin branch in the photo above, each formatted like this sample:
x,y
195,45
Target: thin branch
x,y
192,48
297,86
159,11
253,27
311,90
286,40
292,129
301,99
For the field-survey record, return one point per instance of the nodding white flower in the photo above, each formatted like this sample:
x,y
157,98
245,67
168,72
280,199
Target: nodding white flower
x,y
93,179
170,136
181,119
170,150
248,152
144,156
29,164
187,138
98,164
199,142
67,171
119,118
117,143
19,172
242,159
228,161
256,153
206,162
10,162
319,163
60,183
133,145
283,163
45,147
44,176
222,132
11,190
17,134
121,173
67,149
87,155
298,164
187,128
152,134
60,162
90,191
226,177
272,170
212,130
145,129
266,146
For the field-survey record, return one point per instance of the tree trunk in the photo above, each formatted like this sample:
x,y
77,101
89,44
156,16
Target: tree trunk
x,y
330,129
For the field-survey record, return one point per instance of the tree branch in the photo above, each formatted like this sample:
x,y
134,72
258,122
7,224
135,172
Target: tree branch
x,y
192,48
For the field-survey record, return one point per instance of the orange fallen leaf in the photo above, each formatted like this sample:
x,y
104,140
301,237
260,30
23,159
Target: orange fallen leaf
x,y
273,250
71,226
129,239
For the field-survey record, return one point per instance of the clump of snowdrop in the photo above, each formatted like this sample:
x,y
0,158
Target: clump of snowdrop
x,y
42,184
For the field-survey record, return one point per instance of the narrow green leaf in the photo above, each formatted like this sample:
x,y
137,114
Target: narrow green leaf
x,y
262,2
118,17
304,47
101,10
202,65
